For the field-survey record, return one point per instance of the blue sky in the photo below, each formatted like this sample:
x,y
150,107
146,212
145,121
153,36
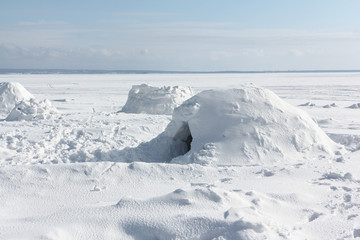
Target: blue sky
x,y
185,35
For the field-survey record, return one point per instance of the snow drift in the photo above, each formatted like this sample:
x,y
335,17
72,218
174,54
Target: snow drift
x,y
152,100
243,126
11,93
355,106
32,110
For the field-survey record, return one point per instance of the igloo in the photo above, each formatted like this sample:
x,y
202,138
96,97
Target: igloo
x,y
250,125
11,93
153,100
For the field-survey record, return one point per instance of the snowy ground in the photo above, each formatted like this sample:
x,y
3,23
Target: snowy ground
x,y
53,186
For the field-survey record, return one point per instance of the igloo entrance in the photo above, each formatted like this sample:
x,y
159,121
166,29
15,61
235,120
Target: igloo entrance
x,y
182,141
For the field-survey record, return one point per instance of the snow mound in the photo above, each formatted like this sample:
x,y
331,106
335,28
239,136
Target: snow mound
x,y
32,110
11,93
337,176
355,106
350,141
307,104
153,100
330,105
243,126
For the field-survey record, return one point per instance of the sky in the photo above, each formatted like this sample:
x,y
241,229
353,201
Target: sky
x,y
197,35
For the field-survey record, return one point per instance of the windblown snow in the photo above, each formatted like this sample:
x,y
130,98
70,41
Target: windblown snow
x,y
11,93
233,162
153,100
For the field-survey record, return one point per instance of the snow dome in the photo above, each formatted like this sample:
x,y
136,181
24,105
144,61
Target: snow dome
x,y
243,126
153,100
11,93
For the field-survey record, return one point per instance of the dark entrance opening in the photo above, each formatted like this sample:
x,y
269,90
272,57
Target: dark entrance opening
x,y
182,139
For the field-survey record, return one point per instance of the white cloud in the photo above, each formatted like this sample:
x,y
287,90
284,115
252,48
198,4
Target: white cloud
x,y
101,52
141,14
219,55
253,52
296,52
144,52
200,24
174,46
41,23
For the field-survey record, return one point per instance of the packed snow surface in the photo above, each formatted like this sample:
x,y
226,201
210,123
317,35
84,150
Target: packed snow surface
x,y
65,177
32,110
11,93
249,125
155,100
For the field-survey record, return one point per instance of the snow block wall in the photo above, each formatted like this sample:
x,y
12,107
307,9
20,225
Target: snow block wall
x,y
251,125
153,100
11,93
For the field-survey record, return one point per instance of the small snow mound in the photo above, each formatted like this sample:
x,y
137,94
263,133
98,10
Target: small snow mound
x,y
337,176
330,105
243,126
12,93
355,106
350,141
325,121
357,233
153,100
32,110
307,104
266,172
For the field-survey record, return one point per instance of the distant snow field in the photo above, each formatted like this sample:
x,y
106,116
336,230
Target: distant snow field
x,y
225,156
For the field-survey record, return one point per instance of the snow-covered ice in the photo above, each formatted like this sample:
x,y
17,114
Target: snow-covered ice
x,y
62,178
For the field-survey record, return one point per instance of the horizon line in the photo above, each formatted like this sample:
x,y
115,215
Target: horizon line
x,y
103,71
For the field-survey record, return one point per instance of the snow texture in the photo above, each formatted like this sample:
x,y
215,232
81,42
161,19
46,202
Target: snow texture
x,y
351,142
11,93
153,100
65,178
32,110
249,125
